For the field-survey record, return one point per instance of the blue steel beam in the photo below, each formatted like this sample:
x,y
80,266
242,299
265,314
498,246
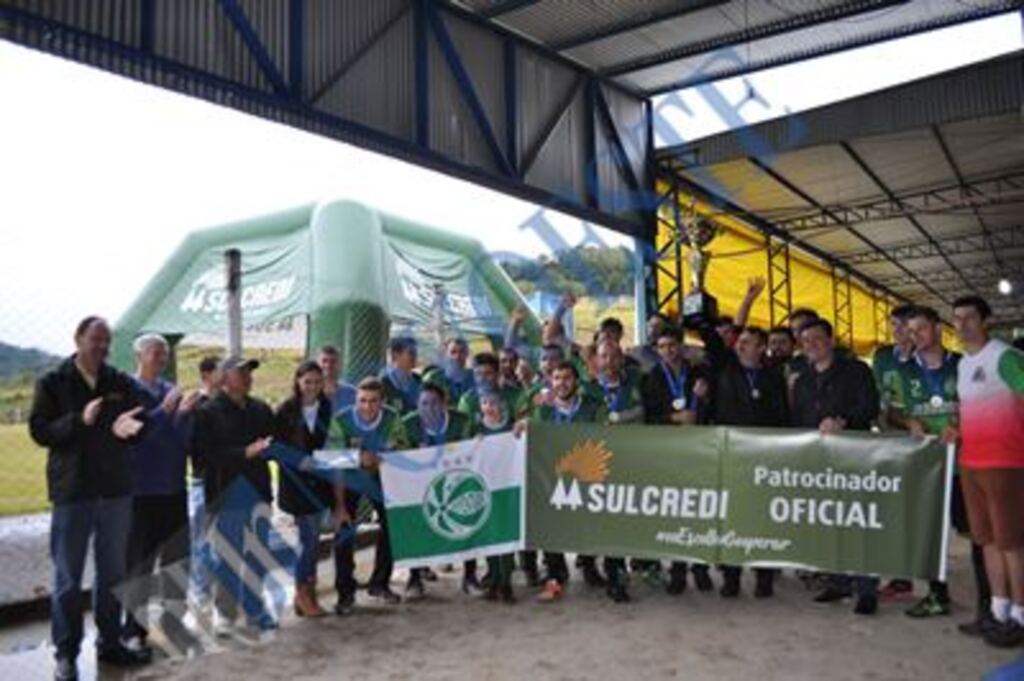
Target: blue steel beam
x,y
466,88
296,16
236,15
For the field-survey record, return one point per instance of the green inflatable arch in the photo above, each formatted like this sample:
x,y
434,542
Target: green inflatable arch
x,y
357,275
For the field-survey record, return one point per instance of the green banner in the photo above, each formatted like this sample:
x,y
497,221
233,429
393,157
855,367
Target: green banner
x,y
859,502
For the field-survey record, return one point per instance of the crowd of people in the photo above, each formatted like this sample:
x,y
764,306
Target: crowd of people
x,y
144,471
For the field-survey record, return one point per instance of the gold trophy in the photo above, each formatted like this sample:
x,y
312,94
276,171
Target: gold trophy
x,y
699,306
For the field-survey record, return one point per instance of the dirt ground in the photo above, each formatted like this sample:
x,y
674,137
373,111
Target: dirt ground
x,y
695,636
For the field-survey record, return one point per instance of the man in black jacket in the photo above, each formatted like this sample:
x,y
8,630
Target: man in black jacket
x,y
837,392
748,393
86,413
232,433
674,393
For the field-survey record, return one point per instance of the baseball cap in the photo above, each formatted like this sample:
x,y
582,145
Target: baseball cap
x,y
229,363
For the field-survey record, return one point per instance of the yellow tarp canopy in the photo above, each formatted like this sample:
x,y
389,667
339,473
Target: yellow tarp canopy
x,y
740,253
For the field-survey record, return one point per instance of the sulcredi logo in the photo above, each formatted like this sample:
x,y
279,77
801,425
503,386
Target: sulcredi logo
x,y
208,293
588,461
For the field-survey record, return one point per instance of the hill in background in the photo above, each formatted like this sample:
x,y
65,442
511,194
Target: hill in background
x,y
16,361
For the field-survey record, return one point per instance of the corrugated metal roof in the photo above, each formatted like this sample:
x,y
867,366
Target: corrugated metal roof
x,y
919,187
657,45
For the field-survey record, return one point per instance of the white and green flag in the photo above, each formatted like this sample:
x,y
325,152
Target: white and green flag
x,y
457,501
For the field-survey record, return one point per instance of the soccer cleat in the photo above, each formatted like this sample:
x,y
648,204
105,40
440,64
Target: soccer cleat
x,y
471,586
1007,634
345,605
929,606
414,589
119,656
978,626
552,591
897,590
384,594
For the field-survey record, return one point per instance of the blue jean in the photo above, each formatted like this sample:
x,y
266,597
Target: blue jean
x,y
200,577
309,541
107,523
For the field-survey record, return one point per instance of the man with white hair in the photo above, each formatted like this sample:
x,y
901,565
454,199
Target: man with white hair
x,y
160,529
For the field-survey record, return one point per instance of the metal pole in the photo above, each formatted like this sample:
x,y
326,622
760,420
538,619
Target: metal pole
x,y
233,263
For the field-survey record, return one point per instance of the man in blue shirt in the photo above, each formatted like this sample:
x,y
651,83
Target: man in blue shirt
x,y
160,530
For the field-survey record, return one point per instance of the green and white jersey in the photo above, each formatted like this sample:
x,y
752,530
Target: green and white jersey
x,y
929,395
470,403
383,434
456,427
483,428
886,366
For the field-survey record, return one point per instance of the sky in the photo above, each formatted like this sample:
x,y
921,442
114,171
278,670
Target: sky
x,y
104,176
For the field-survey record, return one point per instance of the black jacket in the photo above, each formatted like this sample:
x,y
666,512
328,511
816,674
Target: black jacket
x,y
732,388
658,395
223,430
301,493
845,390
84,462
735,403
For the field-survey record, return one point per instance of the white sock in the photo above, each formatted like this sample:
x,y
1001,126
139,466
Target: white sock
x,y
1017,613
1000,609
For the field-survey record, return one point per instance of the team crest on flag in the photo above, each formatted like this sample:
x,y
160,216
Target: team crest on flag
x,y
457,501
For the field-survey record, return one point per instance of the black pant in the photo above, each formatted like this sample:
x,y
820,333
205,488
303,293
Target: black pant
x,y
615,570
528,560
733,572
555,567
501,567
159,533
344,549
679,568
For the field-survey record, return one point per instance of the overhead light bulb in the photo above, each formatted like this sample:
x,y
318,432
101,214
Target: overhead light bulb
x,y
1005,287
